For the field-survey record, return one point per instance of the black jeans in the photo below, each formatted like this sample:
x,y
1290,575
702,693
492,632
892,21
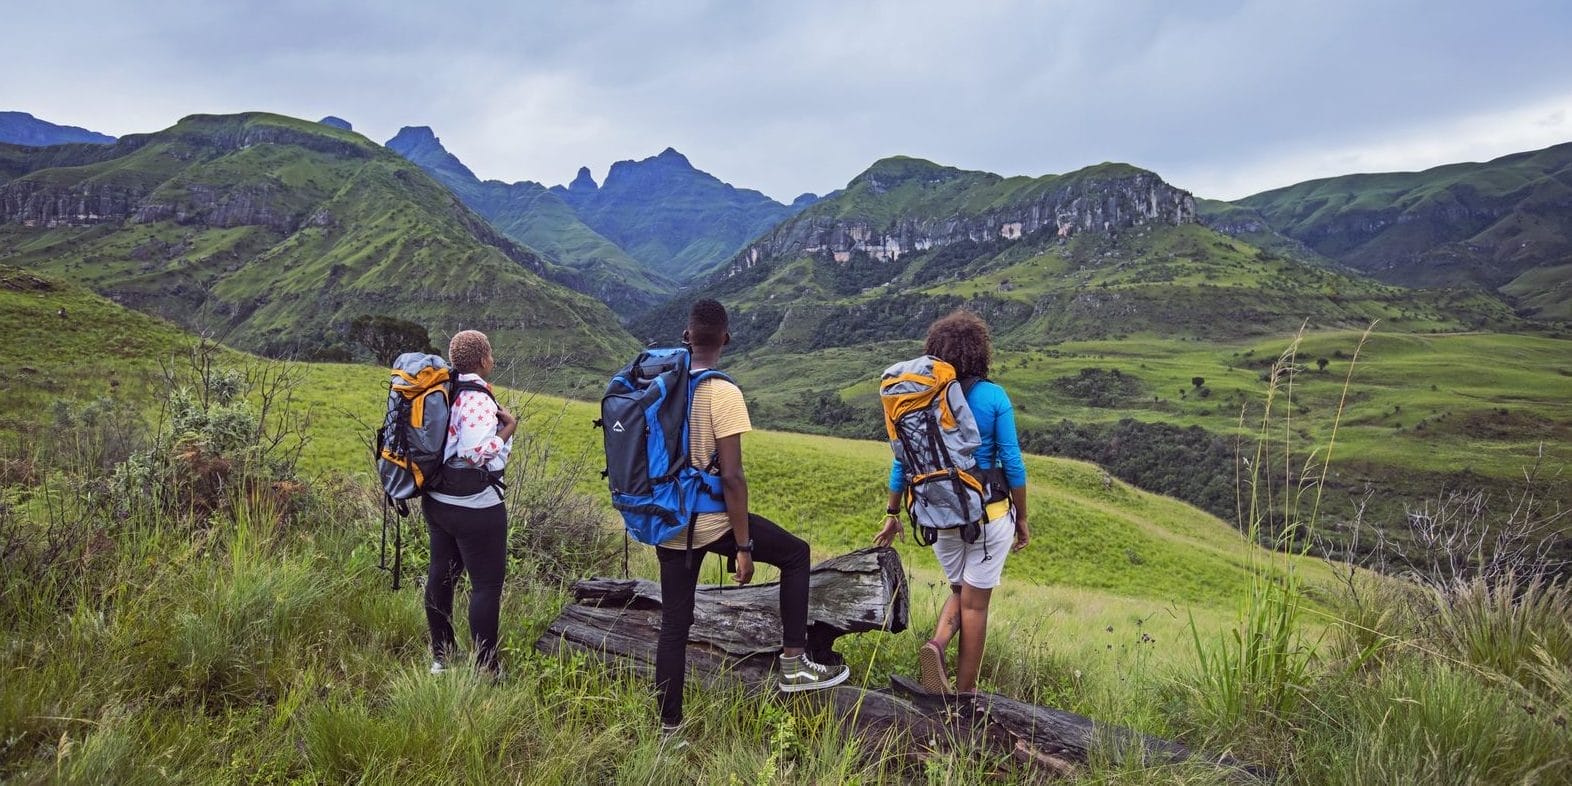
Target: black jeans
x,y
473,540
680,575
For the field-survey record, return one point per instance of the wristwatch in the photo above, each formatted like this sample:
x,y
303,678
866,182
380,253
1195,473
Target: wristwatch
x,y
892,511
746,548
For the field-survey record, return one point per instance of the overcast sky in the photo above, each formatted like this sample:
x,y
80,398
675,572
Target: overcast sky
x,y
1223,98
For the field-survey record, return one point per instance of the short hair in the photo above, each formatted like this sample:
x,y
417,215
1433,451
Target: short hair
x,y
467,349
961,339
707,324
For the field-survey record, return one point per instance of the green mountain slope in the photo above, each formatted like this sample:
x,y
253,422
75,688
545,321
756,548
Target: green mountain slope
x,y
534,216
1106,251
824,487
1504,225
273,233
675,219
1107,299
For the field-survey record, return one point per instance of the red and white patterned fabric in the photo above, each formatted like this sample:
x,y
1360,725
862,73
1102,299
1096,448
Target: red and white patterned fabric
x,y
473,442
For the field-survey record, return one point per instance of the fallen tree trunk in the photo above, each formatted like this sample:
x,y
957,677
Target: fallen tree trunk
x,y
736,630
736,633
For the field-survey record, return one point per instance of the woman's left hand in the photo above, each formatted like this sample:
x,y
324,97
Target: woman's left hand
x,y
1023,535
891,531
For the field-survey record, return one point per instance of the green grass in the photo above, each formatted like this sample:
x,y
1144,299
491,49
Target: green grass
x,y
1428,411
261,644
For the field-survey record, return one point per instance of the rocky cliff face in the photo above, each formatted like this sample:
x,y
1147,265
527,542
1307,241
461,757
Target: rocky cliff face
x,y
58,201
1084,204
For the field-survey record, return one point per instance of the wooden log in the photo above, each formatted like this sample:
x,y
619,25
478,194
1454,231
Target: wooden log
x,y
1037,731
620,618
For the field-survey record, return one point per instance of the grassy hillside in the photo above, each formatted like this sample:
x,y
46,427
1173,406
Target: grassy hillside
x,y
272,233
257,641
1501,225
1428,413
1106,299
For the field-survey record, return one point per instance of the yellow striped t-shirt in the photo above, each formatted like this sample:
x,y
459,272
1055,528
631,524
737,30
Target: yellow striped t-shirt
x,y
718,411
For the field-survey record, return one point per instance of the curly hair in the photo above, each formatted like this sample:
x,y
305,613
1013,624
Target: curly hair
x,y
467,349
961,339
707,324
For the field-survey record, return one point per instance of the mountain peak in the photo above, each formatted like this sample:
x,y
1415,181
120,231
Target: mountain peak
x,y
420,145
670,155
336,122
415,135
583,182
888,172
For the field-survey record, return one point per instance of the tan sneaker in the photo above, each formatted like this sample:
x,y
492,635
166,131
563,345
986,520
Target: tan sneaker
x,y
931,674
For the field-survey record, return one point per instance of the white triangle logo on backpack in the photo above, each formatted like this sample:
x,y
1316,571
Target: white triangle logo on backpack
x,y
617,427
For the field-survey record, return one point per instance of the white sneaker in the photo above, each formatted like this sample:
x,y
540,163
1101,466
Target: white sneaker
x,y
437,667
798,673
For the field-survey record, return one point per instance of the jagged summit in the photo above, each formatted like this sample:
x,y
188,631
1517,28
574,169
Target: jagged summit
x,y
411,135
421,145
676,219
670,155
584,181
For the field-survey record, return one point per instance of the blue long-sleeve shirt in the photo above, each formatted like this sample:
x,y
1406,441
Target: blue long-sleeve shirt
x,y
1001,447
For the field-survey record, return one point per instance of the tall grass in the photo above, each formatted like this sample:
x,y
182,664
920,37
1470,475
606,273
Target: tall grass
x,y
255,641
1390,682
1256,674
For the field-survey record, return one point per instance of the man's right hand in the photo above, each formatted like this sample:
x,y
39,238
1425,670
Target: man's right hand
x,y
744,572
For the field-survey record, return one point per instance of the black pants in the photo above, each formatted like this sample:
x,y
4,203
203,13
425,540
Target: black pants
x,y
679,576
473,540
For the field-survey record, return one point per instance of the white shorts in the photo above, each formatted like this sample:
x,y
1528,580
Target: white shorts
x,y
979,564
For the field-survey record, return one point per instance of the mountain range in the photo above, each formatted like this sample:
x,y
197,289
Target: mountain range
x,y
530,214
1105,251
21,128
273,233
675,219
1503,226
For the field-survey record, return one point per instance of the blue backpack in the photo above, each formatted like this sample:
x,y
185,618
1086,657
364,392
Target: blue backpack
x,y
644,415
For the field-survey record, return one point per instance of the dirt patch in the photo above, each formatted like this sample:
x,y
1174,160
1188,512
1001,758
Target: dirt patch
x,y
18,280
1506,425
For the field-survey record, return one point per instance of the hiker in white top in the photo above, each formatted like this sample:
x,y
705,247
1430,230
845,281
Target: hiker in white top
x,y
469,532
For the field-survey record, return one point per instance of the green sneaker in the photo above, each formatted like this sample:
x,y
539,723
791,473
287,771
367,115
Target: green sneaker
x,y
798,673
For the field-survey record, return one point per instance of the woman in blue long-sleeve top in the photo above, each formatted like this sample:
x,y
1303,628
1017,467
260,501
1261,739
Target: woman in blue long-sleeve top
x,y
973,569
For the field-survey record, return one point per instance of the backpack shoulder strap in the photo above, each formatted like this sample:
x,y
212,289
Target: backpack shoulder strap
x,y
709,373
713,466
460,386
967,383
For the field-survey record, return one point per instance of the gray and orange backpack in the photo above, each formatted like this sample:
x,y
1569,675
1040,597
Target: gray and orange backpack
x,y
934,436
410,446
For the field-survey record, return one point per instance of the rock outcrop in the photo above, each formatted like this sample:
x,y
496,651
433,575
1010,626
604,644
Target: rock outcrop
x,y
1085,201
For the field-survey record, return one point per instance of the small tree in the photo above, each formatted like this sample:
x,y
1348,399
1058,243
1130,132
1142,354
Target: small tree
x,y
387,337
1320,364
1198,381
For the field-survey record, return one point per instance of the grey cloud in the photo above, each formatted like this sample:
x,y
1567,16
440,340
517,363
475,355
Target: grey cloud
x,y
791,97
